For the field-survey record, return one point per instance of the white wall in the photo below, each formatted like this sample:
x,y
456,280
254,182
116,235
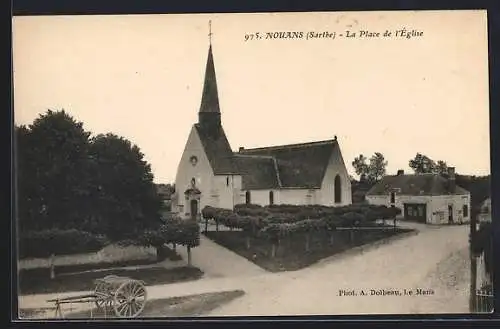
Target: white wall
x,y
440,207
336,166
202,172
283,196
437,206
225,191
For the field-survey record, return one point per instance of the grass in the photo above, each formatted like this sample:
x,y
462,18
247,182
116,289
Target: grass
x,y
291,254
192,305
37,281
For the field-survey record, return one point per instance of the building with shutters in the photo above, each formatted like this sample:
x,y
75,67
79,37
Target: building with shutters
x,y
424,198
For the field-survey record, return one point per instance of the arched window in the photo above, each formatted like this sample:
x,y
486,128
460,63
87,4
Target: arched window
x,y
271,197
337,190
465,211
227,181
248,199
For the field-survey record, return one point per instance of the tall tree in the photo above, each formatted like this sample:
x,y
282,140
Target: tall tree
x,y
422,164
377,167
127,201
441,167
52,184
28,204
360,166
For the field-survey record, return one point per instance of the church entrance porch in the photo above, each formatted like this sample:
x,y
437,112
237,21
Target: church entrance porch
x,y
192,196
194,209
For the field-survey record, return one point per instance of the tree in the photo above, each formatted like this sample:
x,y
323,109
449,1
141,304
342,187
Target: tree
x,y
28,203
377,167
441,167
422,164
52,156
126,199
360,166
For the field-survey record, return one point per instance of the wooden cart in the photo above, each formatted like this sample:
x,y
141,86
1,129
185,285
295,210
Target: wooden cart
x,y
114,296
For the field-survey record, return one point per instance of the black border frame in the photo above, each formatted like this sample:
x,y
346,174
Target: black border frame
x,y
93,7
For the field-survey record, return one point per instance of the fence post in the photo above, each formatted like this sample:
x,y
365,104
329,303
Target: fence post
x,y
473,266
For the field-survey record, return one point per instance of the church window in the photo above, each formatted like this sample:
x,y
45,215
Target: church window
x,y
337,189
465,211
393,197
271,197
248,199
227,181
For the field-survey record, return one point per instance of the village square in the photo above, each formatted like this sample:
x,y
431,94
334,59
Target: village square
x,y
278,230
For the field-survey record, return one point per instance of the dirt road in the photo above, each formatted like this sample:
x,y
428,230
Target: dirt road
x,y
433,265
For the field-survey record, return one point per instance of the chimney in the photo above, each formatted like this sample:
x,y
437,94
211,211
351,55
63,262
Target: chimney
x,y
401,172
451,179
241,149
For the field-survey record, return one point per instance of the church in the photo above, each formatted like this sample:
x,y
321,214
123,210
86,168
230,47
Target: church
x,y
210,173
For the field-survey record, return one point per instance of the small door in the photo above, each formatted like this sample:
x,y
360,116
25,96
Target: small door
x,y
416,212
194,209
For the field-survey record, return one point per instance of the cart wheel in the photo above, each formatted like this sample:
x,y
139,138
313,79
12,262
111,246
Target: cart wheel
x,y
130,299
103,296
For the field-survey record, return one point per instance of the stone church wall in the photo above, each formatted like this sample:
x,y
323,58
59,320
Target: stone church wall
x,y
201,172
336,166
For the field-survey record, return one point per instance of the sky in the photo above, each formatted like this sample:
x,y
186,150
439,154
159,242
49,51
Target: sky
x,y
141,77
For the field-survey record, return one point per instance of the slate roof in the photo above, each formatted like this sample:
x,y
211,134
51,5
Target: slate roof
x,y
295,165
417,184
218,151
257,172
210,98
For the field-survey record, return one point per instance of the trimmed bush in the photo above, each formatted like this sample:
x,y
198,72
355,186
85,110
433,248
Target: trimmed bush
x,y
59,242
209,212
185,232
347,216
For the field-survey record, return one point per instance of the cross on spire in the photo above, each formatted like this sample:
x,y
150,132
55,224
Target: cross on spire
x,y
210,31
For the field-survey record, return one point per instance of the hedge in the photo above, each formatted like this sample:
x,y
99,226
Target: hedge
x,y
175,230
277,220
59,242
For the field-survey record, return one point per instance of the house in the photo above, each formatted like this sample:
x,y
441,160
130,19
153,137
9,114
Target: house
x,y
425,198
211,173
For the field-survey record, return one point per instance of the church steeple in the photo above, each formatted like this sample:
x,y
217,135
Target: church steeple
x,y
209,114
210,97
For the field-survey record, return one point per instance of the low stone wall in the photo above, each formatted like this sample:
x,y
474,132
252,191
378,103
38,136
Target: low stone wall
x,y
111,253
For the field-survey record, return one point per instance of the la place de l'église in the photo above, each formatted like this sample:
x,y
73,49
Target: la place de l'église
x,y
210,173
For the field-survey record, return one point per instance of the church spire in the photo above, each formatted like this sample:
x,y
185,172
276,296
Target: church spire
x,y
209,114
210,97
